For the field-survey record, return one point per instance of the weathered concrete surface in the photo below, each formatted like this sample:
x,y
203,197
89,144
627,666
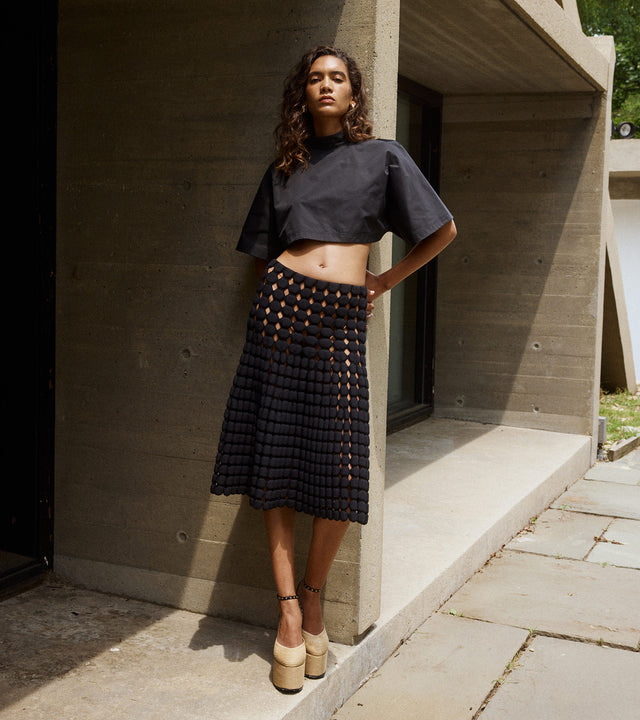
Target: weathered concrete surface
x,y
620,545
561,534
566,680
563,597
601,498
421,681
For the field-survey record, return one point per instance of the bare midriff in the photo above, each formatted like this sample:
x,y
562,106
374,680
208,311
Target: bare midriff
x,y
335,262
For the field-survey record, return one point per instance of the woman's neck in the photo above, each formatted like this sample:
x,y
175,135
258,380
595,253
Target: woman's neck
x,y
328,126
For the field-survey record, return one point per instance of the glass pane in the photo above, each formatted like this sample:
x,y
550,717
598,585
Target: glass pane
x,y
402,334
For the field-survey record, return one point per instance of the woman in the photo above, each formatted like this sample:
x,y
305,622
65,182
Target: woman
x,y
295,435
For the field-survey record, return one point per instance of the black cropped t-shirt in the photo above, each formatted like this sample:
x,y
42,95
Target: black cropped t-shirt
x,y
350,193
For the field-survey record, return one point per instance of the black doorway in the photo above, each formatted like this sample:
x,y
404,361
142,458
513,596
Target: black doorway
x,y
412,329
26,517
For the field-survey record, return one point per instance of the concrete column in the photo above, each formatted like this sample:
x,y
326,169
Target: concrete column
x,y
379,51
606,48
166,112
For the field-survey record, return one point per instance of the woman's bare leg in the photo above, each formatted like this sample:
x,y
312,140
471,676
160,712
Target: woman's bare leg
x,y
325,543
280,525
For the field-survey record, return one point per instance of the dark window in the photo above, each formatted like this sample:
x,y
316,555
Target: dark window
x,y
411,341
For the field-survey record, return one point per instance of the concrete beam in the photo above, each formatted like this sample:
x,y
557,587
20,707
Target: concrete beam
x,y
558,29
624,158
497,47
571,8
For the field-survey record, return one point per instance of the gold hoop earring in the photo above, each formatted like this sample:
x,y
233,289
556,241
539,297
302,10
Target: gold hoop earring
x,y
352,106
304,108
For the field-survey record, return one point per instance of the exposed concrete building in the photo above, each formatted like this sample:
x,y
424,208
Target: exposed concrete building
x,y
165,118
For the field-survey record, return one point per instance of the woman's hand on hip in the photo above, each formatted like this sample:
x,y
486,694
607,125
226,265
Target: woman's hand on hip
x,y
375,288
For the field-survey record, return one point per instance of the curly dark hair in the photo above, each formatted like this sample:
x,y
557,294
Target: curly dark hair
x,y
296,123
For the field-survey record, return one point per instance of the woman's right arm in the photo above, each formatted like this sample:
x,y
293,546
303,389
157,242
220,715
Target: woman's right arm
x,y
420,255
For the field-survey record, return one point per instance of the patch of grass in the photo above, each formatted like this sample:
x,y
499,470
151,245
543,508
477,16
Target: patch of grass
x,y
622,410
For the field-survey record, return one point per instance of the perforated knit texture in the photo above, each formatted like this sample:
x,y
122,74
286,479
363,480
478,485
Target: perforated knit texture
x,y
296,428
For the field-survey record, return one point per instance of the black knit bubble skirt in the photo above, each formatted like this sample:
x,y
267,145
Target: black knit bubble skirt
x,y
296,427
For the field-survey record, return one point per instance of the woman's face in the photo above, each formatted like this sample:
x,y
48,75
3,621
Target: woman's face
x,y
328,94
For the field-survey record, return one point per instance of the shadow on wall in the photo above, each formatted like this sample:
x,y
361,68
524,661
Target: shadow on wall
x,y
518,289
165,124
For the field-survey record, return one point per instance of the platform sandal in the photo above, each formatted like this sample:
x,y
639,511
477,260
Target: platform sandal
x,y
316,646
288,662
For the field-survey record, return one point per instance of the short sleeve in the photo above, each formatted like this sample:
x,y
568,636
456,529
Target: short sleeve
x,y
413,209
259,237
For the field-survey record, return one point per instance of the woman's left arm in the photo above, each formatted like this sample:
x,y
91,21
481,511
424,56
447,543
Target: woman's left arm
x,y
420,255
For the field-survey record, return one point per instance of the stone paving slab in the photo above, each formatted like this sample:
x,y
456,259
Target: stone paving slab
x,y
601,498
559,533
564,680
614,472
561,597
622,546
443,672
631,460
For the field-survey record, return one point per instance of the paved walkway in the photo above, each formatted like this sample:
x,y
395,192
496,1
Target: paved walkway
x,y
68,653
548,628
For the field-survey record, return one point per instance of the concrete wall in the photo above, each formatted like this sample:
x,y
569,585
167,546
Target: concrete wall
x,y
616,366
624,190
626,213
520,291
166,112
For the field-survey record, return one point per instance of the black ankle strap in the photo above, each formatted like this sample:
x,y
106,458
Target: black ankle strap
x,y
287,597
309,588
